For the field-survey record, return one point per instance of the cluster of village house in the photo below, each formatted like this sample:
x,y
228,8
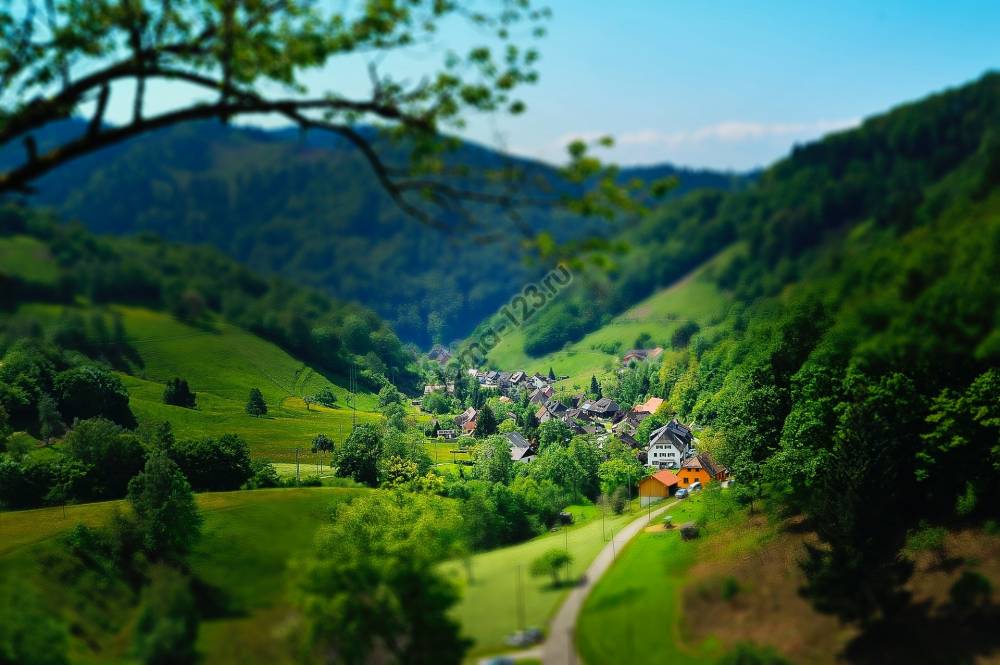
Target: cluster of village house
x,y
671,449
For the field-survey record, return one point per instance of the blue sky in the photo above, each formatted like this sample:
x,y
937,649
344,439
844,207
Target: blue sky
x,y
721,84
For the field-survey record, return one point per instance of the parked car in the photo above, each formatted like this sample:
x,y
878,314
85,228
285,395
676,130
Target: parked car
x,y
500,660
681,493
695,486
524,638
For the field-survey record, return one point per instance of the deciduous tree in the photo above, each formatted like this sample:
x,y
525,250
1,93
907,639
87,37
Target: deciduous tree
x,y
256,406
166,515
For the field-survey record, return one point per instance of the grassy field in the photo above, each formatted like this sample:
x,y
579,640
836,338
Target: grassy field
x,y
644,585
691,298
248,541
27,258
221,364
488,610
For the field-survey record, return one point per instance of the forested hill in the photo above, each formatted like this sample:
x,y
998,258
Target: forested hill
x,y
851,374
308,208
894,173
67,267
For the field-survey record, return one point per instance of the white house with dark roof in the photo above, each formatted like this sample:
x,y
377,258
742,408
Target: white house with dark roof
x,y
521,449
669,445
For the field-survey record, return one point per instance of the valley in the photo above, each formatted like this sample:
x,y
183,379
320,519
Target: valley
x,y
244,417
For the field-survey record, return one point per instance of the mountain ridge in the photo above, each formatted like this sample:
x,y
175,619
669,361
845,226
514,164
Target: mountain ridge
x,y
307,207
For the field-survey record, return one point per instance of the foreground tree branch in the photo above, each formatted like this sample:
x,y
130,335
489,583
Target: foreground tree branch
x,y
82,55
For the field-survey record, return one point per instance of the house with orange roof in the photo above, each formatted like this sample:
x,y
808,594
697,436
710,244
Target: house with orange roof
x,y
657,487
649,406
701,468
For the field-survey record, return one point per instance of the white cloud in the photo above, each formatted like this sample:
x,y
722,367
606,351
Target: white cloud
x,y
734,131
731,144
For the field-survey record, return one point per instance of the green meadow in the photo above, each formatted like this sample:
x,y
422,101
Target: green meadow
x,y
221,363
249,540
27,258
488,610
634,614
695,297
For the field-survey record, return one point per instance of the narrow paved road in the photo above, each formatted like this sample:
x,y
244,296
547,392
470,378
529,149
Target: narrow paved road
x,y
559,648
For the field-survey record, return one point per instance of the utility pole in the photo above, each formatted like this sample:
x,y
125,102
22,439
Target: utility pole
x,y
604,534
520,601
614,554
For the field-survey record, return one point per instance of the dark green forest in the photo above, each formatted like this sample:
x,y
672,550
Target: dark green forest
x,y
888,174
855,380
307,207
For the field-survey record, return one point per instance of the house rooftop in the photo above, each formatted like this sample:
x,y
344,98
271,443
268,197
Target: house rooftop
x,y
649,406
665,477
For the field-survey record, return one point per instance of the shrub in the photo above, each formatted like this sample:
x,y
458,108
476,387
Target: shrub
x,y
730,588
619,499
682,336
177,393
325,397
551,563
262,475
971,591
642,341
91,391
167,627
749,654
214,464
28,632
26,484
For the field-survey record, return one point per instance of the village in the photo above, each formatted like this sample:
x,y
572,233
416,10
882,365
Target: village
x,y
669,452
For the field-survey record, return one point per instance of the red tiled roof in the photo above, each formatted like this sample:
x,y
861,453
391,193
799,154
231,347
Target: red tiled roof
x,y
665,477
649,406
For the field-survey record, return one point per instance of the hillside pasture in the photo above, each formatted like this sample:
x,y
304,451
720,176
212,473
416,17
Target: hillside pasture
x,y
249,540
27,258
488,610
694,297
221,363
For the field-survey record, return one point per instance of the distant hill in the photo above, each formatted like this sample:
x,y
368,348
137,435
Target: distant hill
x,y
905,184
308,208
154,311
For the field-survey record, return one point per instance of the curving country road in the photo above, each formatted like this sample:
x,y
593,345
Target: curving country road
x,y
559,648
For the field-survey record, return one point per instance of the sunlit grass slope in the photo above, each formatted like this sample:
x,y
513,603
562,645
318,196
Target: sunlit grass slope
x,y
221,363
488,610
694,297
248,541
27,258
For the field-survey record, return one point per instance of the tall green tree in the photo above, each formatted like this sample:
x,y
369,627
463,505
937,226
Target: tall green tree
x,y
372,590
486,422
358,456
492,460
109,456
50,422
856,571
167,518
322,444
256,406
166,630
